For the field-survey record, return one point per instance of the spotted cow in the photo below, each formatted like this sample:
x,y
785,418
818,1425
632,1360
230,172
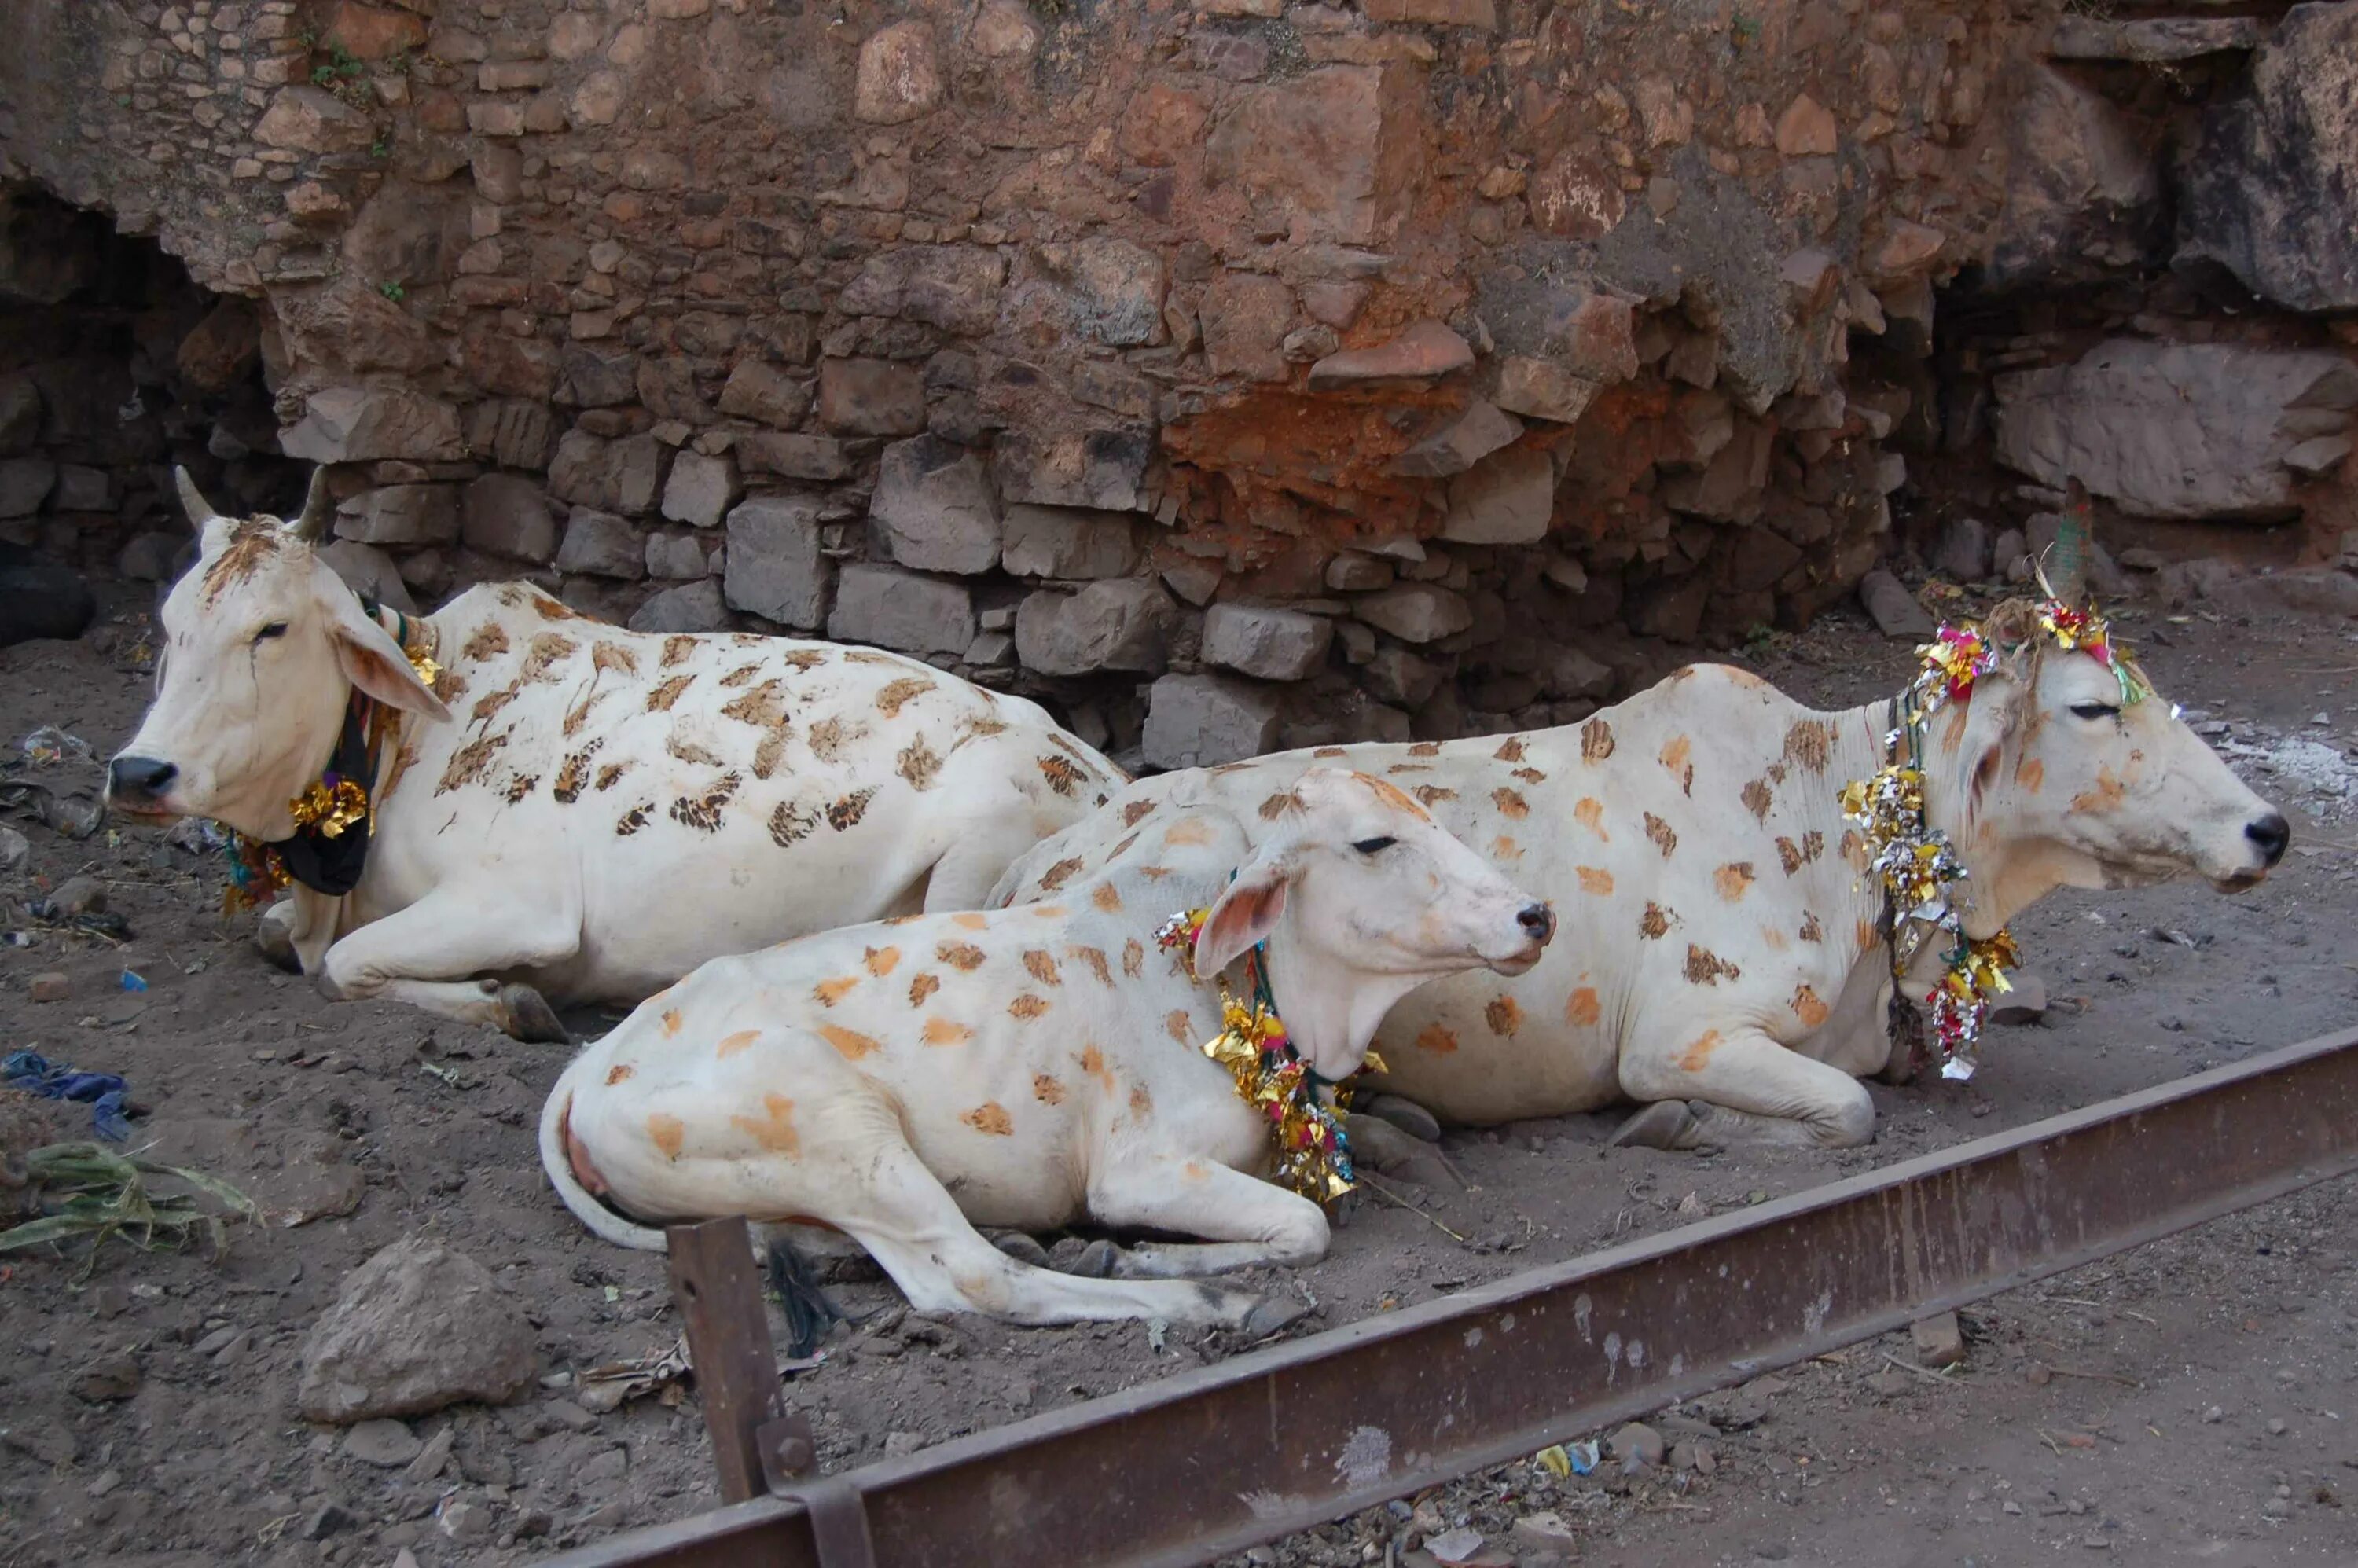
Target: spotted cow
x,y
570,811
905,1081
1721,952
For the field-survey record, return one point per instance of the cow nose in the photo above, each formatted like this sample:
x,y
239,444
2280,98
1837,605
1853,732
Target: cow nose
x,y
1537,920
139,777
2271,833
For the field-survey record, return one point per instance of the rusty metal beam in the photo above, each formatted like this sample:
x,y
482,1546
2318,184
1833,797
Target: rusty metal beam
x,y
1211,1461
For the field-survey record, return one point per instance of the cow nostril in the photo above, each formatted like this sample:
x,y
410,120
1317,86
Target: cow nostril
x,y
140,775
2272,834
1537,920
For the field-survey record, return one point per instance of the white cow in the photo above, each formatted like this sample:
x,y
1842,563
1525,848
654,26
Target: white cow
x,y
569,811
1721,952
903,1082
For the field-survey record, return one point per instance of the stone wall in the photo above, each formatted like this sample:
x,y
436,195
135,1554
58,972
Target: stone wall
x,y
1228,374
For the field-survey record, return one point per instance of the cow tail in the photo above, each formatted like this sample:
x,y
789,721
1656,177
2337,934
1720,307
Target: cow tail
x,y
603,1221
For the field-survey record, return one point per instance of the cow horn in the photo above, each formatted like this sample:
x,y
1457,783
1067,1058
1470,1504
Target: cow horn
x,y
2067,558
318,509
201,511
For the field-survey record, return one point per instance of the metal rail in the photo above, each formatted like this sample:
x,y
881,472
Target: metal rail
x,y
1211,1461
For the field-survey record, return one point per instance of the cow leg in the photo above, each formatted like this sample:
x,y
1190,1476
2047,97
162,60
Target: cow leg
x,y
459,931
1750,1089
1249,1221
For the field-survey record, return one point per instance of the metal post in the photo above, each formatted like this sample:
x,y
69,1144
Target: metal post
x,y
720,1301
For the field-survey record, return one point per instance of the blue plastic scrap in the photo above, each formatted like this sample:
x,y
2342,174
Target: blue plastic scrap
x,y
104,1092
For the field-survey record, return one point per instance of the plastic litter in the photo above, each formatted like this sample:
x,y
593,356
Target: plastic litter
x,y
134,981
1564,1459
104,1092
48,746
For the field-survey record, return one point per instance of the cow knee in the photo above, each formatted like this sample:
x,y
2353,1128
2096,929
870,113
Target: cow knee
x,y
1300,1235
1849,1122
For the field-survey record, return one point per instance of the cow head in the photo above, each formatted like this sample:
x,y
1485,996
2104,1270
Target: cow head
x,y
2060,770
262,645
1362,897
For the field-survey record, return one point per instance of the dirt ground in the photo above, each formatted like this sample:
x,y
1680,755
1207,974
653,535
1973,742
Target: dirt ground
x,y
2214,1374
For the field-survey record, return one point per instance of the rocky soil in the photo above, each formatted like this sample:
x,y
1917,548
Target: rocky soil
x,y
160,1408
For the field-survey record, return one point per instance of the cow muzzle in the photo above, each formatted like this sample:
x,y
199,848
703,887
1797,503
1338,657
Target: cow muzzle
x,y
1536,924
139,787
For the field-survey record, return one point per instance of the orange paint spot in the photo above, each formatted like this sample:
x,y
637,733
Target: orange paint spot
x,y
1504,1015
1673,758
850,1043
1046,1089
1195,1170
1390,794
2030,774
1810,930
775,1130
970,921
1696,1057
942,1032
1048,911
1510,803
1590,813
1437,1040
1596,880
990,1116
1777,940
667,1133
1505,848
828,992
1582,1009
1042,968
1733,880
1864,935
1142,1104
1808,1008
959,955
1107,897
1093,1063
880,960
670,1022
1177,1026
1188,830
923,986
732,1043
2108,794
1133,957
617,1073
1027,1007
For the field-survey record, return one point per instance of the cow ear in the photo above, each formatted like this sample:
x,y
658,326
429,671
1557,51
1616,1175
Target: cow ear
x,y
374,662
1246,914
1999,708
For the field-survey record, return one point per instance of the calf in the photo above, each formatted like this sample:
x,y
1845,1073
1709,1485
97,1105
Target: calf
x,y
905,1081
505,803
1724,953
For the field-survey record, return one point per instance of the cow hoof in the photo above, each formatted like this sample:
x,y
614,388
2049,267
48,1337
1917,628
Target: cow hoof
x,y
527,1016
1406,1115
276,945
1021,1247
1380,1143
1665,1124
1098,1260
1272,1314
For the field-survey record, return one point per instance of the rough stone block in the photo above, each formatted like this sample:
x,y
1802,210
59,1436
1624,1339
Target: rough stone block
x,y
1066,467
417,1327
933,509
1543,389
369,571
775,569
756,390
1121,623
25,483
1275,644
871,397
702,489
357,424
691,607
1464,439
1427,351
1117,291
955,287
1507,498
1319,148
1069,543
600,544
1196,722
1415,611
1245,317
899,610
612,476
820,458
308,119
678,557
506,515
900,79
401,514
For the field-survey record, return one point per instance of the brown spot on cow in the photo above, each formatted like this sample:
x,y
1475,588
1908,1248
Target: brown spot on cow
x,y
1425,749
1757,799
1594,881
688,749
826,993
1434,794
732,1043
551,609
774,1129
671,1023
2106,796
1675,757
1178,1025
1133,957
1810,930
470,762
990,1116
1511,749
1063,871
763,707
850,1043
922,986
970,920
1093,1063
831,735
963,957
1789,855
1094,960
1776,939
882,961
1596,741
1531,775
898,693
486,642
1136,812
1661,832
1705,968
667,1133
250,543
668,692
519,785
803,659
606,655
1697,1055
1278,804
1808,1008
919,764
1325,751
544,653
1654,922
791,824
844,814
611,774
1187,830
1027,1007
403,761
1142,1104
2032,774
1505,848
621,1071
574,773
1589,812
579,714
1504,1015
1437,1041
1046,1089
741,675
702,812
1809,745
1862,934
1733,880
487,706
1063,777
1107,897
1510,803
630,821
1042,968
1581,1009
675,650
945,1032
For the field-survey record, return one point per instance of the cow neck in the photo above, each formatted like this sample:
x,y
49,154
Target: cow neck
x,y
328,852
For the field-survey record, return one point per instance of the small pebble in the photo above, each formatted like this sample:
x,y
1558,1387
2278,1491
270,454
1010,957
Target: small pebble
x,y
49,987
2277,1508
2214,1414
2276,1426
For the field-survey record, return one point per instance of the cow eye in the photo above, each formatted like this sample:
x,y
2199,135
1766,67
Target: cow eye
x,y
1372,846
276,629
2095,710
